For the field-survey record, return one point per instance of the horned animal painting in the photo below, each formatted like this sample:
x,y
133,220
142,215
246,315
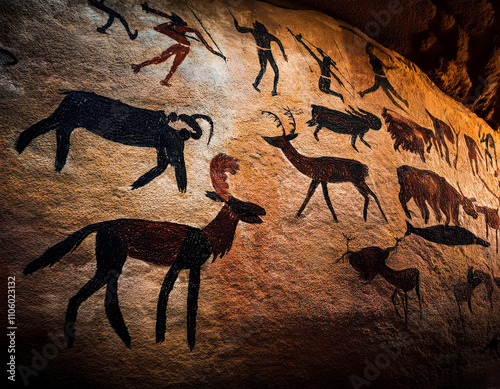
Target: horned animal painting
x,y
425,186
121,123
409,135
443,132
352,122
179,246
323,170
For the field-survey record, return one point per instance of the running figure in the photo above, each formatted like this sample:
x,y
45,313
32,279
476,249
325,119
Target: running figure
x,y
263,40
176,29
325,65
380,78
111,18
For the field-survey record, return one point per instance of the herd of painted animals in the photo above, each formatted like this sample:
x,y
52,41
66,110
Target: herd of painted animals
x,y
184,247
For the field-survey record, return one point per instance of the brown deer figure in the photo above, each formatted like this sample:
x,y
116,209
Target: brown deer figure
x,y
473,151
463,291
487,280
370,261
442,132
179,246
322,170
491,220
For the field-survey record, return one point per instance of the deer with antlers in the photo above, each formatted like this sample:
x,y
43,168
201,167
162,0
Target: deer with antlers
x,y
370,261
322,170
179,246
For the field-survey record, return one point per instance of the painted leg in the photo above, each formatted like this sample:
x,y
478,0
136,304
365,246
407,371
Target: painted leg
x,y
161,314
35,131
393,298
162,163
364,141
108,24
62,134
327,199
276,74
180,55
375,86
353,142
319,127
192,305
113,311
156,60
310,192
263,66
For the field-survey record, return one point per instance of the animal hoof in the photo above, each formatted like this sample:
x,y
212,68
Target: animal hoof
x,y
165,83
255,87
136,68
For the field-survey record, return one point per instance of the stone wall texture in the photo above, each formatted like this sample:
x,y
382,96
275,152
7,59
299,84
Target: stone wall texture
x,y
278,310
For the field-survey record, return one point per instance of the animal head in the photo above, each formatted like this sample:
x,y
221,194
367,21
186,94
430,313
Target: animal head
x,y
191,122
282,140
315,113
369,119
467,204
471,279
220,166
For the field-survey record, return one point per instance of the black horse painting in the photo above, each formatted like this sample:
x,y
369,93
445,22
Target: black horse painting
x,y
121,123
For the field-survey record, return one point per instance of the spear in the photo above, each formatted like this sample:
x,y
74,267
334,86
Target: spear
x,y
300,49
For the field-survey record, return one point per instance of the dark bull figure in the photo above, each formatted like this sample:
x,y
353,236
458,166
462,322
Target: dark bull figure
x,y
119,122
354,123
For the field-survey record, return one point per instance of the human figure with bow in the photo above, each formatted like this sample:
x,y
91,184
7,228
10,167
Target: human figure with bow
x,y
176,28
325,64
380,78
263,40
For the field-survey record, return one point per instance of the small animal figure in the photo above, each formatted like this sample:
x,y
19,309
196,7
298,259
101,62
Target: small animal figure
x,y
473,151
491,220
463,291
442,132
352,122
487,280
448,235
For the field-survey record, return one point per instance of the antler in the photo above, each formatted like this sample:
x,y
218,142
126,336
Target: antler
x,y
220,165
276,119
292,119
348,238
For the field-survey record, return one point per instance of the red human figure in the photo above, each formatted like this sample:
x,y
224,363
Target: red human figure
x,y
176,29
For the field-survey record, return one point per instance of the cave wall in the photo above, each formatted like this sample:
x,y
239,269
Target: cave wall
x,y
284,307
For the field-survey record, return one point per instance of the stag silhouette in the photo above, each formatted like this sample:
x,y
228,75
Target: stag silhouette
x,y
179,246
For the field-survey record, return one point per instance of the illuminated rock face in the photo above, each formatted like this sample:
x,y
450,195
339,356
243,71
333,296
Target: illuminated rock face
x,y
392,181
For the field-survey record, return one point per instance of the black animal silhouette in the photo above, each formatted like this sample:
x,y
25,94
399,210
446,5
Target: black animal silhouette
x,y
370,261
121,123
112,14
352,122
448,235
463,291
442,131
179,246
323,170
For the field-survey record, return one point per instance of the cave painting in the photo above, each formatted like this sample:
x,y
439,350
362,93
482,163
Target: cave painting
x,y
352,122
425,186
176,28
325,64
447,235
163,243
409,135
112,14
442,132
121,123
473,152
489,144
488,282
323,170
491,220
370,261
463,290
263,41
7,58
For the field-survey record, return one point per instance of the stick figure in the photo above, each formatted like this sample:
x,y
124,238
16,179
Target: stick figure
x,y
263,40
111,18
176,29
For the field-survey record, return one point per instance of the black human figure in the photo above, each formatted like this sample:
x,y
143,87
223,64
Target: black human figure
x,y
111,18
325,65
381,79
263,40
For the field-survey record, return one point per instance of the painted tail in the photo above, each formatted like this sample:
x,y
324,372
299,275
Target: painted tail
x,y
56,252
34,131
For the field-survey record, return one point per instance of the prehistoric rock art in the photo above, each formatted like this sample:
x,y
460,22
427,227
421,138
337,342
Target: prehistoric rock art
x,y
7,58
463,291
263,41
473,152
426,186
491,220
487,280
325,64
447,235
370,261
352,122
179,246
489,143
121,123
408,134
112,14
176,29
442,132
323,170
